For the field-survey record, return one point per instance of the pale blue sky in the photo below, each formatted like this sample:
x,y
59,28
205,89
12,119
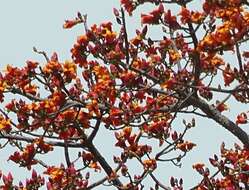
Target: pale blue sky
x,y
29,23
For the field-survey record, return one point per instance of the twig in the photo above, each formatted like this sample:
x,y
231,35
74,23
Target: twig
x,y
95,130
125,37
42,53
31,140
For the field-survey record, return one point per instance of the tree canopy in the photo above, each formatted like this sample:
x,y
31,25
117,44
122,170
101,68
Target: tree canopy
x,y
133,88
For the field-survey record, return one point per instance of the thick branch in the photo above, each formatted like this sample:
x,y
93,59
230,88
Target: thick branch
x,y
101,181
214,114
239,57
195,56
103,163
66,153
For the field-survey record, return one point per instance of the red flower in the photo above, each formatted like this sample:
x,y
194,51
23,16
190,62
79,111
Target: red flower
x,y
221,106
241,118
199,167
171,20
115,112
185,146
16,157
185,15
153,17
148,19
150,164
228,75
128,5
246,54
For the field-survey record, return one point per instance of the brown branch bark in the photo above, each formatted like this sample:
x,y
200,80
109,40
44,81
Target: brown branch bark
x,y
101,181
66,153
104,164
95,130
214,114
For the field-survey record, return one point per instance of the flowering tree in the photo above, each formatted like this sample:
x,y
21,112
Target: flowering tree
x,y
132,87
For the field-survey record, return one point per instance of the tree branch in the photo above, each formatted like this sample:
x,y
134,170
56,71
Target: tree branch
x,y
31,140
103,164
66,153
95,130
214,114
125,37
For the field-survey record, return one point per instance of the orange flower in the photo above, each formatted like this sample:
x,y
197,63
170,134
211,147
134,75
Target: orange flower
x,y
127,132
210,62
169,84
55,174
208,42
115,112
3,86
223,34
174,56
150,164
5,124
112,176
95,166
43,146
185,146
216,61
30,88
83,39
87,157
116,54
93,108
108,34
31,65
11,106
137,40
49,105
83,117
70,23
128,77
101,73
70,70
196,17
52,66
16,157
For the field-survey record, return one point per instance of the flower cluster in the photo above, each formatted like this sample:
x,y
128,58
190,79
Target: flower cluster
x,y
61,178
132,87
233,167
35,182
26,158
129,142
